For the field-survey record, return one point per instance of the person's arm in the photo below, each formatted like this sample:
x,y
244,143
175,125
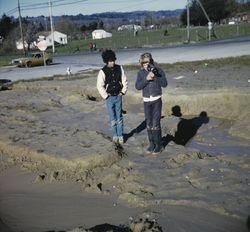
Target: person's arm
x,y
101,85
141,81
124,82
162,78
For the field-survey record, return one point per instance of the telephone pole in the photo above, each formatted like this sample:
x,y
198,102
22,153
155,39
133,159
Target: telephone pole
x,y
21,28
210,24
51,26
188,22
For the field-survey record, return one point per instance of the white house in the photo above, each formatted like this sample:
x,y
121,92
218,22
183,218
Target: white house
x,y
100,34
20,43
59,38
129,27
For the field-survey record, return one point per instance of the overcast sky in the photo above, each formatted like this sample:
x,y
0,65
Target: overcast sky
x,y
85,7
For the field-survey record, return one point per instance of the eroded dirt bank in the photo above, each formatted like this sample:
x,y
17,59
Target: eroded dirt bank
x,y
58,130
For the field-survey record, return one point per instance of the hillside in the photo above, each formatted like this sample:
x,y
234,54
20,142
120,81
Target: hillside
x,y
114,16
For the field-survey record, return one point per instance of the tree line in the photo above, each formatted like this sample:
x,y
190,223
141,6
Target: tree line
x,y
217,10
10,30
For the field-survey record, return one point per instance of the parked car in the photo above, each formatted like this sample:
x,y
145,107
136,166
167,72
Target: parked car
x,y
33,59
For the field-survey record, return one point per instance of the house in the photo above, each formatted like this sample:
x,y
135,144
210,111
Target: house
x,y
19,44
129,27
239,18
59,37
100,34
246,18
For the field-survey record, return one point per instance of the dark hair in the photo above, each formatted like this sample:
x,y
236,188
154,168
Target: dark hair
x,y
108,55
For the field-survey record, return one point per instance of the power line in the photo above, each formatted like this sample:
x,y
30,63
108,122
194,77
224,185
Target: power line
x,y
10,12
35,6
45,5
58,3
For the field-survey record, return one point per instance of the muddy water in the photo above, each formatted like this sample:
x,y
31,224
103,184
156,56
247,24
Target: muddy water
x,y
57,118
214,138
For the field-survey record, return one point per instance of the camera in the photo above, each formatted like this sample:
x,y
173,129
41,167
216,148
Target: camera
x,y
153,69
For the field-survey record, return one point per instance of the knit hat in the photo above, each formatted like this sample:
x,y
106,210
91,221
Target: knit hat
x,y
146,57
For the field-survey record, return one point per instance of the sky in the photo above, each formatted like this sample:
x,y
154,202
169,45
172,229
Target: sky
x,y
85,7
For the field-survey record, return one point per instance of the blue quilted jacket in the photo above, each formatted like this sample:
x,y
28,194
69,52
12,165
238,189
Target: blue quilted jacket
x,y
151,88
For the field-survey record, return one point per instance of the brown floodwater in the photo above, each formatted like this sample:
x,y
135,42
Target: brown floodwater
x,y
214,138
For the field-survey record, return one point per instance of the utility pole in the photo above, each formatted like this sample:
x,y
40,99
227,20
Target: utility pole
x,y
21,28
210,25
51,26
188,23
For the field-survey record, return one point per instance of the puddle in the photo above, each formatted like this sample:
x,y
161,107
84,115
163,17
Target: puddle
x,y
214,138
219,149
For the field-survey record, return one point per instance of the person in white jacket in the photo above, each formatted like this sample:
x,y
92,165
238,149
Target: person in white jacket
x,y
112,84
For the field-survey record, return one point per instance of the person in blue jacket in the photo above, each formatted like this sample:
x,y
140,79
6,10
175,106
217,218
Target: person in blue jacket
x,y
151,80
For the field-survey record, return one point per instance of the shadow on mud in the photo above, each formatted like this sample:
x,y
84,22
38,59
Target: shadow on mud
x,y
186,129
136,130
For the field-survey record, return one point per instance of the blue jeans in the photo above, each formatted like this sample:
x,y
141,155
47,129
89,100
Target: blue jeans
x,y
152,111
114,107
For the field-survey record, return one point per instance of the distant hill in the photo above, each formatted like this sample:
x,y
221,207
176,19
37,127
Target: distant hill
x,y
114,16
130,15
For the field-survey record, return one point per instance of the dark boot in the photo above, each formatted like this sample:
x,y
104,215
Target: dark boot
x,y
151,147
157,141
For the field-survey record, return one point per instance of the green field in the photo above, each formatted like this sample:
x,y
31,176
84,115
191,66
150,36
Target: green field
x,y
149,38
146,38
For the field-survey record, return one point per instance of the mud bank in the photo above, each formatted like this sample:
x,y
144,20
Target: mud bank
x,y
58,131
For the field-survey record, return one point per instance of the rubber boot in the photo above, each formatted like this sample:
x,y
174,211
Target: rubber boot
x,y
157,142
151,147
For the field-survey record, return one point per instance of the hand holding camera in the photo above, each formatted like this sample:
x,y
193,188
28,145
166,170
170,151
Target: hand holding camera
x,y
150,76
154,70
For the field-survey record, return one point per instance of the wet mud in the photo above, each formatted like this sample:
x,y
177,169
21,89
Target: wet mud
x,y
58,129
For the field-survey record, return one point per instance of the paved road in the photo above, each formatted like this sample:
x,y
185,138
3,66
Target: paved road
x,y
216,49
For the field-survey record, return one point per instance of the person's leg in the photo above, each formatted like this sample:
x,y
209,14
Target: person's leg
x,y
157,107
110,102
148,114
149,122
156,114
119,118
151,146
